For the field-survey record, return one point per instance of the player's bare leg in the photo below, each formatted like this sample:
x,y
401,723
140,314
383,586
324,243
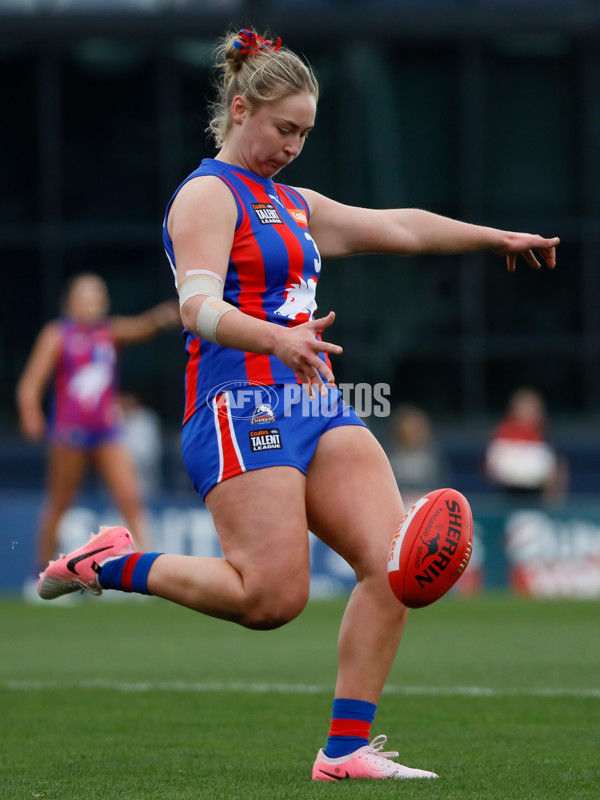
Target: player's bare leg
x,y
118,470
264,579
65,470
354,506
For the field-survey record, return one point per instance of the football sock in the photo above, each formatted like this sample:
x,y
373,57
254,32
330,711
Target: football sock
x,y
350,726
127,573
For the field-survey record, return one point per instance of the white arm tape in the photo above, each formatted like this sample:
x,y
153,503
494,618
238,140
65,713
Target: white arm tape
x,y
207,283
211,311
216,275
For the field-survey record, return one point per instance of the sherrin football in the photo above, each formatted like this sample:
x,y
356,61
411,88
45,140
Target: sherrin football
x,y
431,548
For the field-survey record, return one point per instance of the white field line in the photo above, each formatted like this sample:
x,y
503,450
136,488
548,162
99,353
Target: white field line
x,y
288,688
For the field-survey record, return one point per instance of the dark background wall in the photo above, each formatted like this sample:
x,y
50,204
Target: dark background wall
x,y
487,111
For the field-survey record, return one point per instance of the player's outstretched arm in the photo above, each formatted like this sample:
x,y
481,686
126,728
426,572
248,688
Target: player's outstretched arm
x,y
129,330
341,230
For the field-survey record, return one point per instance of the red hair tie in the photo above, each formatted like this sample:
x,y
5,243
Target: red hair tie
x,y
253,43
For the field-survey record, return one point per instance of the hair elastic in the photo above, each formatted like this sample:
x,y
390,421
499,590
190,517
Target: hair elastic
x,y
253,43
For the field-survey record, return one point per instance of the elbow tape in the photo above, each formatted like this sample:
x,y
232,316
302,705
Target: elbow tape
x,y
213,308
202,282
211,311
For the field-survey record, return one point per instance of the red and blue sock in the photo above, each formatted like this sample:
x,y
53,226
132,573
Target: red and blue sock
x,y
127,573
350,726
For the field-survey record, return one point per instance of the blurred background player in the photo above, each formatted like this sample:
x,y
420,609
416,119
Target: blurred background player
x,y
416,460
247,257
519,460
80,350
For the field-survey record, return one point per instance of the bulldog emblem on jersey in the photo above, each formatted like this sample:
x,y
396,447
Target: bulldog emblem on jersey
x,y
299,299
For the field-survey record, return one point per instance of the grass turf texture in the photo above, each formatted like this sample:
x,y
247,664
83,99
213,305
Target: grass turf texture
x,y
147,701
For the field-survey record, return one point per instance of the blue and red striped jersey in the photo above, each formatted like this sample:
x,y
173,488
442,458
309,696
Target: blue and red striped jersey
x,y
272,275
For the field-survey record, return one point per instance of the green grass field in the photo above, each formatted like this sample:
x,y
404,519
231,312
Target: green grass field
x,y
147,701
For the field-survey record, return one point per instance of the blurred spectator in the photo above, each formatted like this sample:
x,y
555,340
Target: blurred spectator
x,y
416,461
518,459
142,436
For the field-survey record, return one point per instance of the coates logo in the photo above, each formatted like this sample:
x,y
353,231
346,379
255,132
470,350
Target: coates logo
x,y
299,216
242,402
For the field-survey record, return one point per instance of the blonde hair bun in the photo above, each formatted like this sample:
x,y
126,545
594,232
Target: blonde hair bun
x,y
259,69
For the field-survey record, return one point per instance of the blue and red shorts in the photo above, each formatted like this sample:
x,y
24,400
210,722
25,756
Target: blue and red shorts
x,y
255,426
81,438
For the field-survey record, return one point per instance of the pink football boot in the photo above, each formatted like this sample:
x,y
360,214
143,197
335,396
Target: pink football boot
x,y
79,569
366,762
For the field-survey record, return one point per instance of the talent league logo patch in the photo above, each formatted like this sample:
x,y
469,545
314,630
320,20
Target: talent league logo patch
x,y
265,439
262,414
267,213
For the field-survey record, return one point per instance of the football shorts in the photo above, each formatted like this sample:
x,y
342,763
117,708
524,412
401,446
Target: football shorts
x,y
256,426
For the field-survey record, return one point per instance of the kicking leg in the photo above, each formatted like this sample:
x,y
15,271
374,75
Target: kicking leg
x,y
354,506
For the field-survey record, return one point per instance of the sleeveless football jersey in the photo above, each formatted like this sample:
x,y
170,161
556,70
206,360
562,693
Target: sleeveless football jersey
x,y
85,385
272,275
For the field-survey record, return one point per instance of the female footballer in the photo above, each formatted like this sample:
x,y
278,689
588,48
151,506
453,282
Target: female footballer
x,y
79,351
247,254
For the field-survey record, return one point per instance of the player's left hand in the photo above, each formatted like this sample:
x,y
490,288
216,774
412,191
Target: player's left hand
x,y
527,245
299,349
